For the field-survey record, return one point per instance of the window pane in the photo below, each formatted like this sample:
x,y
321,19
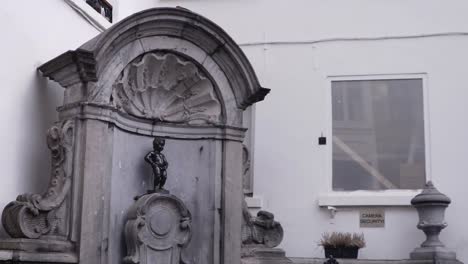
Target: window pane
x,y
378,134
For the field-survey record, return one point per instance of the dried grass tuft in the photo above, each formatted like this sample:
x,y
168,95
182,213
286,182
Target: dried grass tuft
x,y
338,239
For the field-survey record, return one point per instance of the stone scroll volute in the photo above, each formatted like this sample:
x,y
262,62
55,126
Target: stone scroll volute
x,y
37,215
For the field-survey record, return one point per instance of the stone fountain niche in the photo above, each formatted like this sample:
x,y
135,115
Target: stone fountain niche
x,y
163,72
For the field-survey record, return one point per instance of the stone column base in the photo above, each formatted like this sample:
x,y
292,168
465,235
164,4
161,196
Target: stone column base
x,y
32,251
262,255
433,253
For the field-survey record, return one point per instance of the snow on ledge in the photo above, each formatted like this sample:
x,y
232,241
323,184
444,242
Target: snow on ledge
x,y
368,198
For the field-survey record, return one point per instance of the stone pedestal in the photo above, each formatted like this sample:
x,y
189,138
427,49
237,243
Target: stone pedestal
x,y
431,205
36,251
264,255
439,253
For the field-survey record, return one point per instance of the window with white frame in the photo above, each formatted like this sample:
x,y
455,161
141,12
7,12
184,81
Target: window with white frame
x,y
378,134
98,13
103,7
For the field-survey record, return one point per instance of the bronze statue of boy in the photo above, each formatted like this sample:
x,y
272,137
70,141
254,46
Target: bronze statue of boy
x,y
158,163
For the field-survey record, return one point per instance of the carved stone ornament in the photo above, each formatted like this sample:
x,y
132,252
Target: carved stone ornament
x,y
35,215
166,87
261,230
158,228
260,237
246,171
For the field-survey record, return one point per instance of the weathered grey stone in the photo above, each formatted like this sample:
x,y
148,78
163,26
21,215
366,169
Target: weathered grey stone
x,y
113,129
260,255
191,177
34,215
231,203
262,230
17,257
37,245
433,253
170,22
158,228
259,237
246,173
20,250
171,89
149,127
431,205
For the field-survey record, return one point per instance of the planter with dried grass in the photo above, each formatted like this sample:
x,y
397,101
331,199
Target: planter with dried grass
x,y
342,245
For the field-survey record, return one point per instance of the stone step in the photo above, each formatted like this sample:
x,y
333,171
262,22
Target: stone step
x,y
372,261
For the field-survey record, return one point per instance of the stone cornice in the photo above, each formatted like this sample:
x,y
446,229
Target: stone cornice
x,y
71,67
148,127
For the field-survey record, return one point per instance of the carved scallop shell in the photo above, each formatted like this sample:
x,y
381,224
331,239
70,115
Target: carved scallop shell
x,y
165,87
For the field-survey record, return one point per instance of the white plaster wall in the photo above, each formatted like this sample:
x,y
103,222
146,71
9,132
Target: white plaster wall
x,y
33,32
291,159
290,168
259,20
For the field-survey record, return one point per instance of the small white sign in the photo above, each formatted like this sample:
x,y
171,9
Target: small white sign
x,y
372,217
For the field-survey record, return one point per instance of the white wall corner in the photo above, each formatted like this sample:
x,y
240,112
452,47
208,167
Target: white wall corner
x,y
89,14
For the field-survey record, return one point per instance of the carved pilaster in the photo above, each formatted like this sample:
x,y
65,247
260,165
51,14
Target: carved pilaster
x,y
37,215
246,171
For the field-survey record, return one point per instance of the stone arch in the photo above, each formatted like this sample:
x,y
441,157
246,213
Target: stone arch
x,y
116,99
97,64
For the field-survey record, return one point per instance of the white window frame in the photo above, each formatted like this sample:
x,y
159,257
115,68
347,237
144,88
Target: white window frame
x,y
89,14
400,197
